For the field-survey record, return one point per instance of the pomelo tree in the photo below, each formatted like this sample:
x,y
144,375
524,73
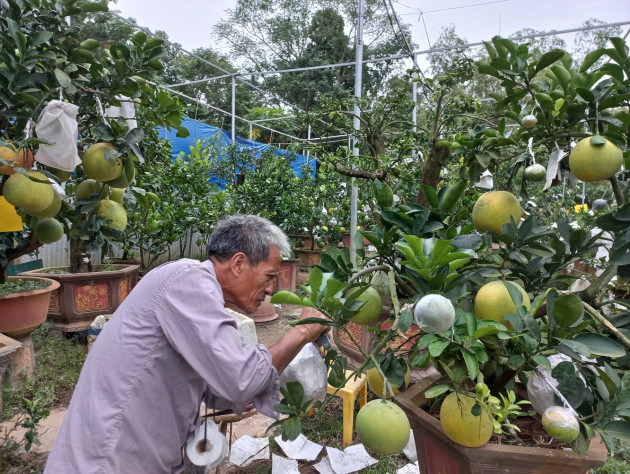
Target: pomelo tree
x,y
43,57
435,249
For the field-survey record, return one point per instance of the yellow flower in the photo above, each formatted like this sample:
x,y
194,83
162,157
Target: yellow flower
x,y
581,207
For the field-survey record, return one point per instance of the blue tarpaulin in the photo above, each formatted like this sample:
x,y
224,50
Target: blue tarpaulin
x,y
221,139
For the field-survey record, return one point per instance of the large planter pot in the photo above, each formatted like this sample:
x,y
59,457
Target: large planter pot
x,y
83,296
438,454
287,275
308,258
22,313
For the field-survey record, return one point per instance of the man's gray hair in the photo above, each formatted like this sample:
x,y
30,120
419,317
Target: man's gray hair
x,y
252,235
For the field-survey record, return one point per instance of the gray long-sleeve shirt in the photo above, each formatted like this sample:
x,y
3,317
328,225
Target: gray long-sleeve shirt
x,y
137,400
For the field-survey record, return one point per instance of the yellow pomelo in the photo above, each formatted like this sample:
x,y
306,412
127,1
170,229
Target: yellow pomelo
x,y
114,212
116,194
460,425
589,162
48,230
51,210
493,301
32,196
23,159
371,309
375,382
96,166
87,188
493,209
383,427
560,423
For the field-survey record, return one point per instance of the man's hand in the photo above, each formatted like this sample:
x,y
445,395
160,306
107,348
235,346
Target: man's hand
x,y
314,329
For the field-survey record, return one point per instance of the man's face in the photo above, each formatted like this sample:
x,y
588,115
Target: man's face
x,y
257,282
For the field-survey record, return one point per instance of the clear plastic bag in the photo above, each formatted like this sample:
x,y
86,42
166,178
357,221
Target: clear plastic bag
x,y
58,124
309,369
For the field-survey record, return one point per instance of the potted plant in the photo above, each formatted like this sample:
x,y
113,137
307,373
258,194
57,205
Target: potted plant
x,y
89,79
487,291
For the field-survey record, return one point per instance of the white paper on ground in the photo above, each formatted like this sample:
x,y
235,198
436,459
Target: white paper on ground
x,y
323,466
246,449
299,448
411,468
352,459
410,449
280,465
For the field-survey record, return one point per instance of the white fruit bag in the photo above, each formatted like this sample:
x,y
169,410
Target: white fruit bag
x,y
58,124
126,110
309,369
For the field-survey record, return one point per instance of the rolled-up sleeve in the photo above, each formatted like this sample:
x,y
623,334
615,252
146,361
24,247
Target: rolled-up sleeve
x,y
191,313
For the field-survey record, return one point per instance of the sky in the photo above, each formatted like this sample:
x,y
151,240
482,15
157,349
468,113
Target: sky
x,y
189,22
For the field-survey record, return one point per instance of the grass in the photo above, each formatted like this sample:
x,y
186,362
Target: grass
x,y
617,464
58,363
21,286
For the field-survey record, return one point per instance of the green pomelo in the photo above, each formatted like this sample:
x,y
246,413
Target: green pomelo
x,y
87,188
48,230
382,427
97,167
51,210
535,173
113,212
560,423
375,382
567,309
460,425
61,174
32,196
590,161
493,301
434,314
370,310
493,209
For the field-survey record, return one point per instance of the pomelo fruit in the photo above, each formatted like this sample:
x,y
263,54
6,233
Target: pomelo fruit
x,y
375,382
560,423
87,188
567,309
382,426
8,153
48,230
113,212
380,282
493,301
493,209
371,309
535,173
117,194
51,210
529,121
590,161
97,167
32,196
434,314
63,175
460,425
599,204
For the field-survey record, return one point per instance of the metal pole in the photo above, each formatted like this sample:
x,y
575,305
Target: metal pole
x,y
357,125
233,109
308,150
414,97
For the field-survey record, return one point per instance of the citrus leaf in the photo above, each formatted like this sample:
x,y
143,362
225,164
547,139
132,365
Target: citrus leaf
x,y
436,391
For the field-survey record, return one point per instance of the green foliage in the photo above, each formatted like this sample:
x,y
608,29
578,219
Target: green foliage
x,y
21,286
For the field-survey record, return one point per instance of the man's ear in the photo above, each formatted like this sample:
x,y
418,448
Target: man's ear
x,y
238,263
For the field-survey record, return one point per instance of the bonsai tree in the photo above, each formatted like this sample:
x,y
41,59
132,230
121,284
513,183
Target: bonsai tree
x,y
45,58
488,289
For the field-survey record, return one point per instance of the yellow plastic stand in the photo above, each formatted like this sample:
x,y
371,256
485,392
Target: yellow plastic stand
x,y
349,394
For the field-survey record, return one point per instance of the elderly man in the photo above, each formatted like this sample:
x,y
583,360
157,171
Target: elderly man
x,y
172,344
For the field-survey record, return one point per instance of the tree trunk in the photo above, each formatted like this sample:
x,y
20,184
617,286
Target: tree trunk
x,y
79,260
29,246
431,171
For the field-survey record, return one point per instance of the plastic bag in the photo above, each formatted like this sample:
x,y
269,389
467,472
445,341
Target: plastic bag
x,y
126,111
309,369
58,124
